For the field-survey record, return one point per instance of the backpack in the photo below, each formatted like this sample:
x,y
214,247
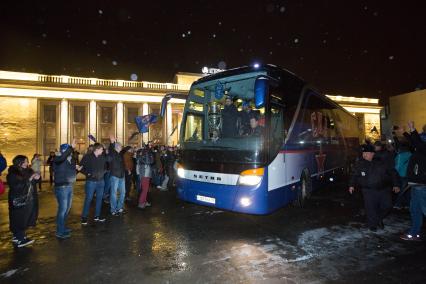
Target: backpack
x,y
416,171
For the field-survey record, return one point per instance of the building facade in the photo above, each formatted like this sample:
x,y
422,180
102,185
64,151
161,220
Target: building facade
x,y
40,112
403,108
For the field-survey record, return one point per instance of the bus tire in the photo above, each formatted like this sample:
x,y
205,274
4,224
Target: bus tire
x,y
304,191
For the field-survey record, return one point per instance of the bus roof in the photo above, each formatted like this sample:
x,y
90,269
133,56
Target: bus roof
x,y
272,70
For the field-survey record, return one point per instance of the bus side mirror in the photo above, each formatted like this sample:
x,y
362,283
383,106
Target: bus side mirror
x,y
261,86
164,105
167,98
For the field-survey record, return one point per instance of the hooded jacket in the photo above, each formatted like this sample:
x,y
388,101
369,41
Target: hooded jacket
x,y
64,168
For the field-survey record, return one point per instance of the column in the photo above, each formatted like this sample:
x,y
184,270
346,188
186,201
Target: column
x,y
64,122
179,124
92,118
169,124
145,111
120,122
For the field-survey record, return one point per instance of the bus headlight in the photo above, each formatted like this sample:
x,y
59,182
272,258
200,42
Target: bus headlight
x,y
251,177
245,201
180,171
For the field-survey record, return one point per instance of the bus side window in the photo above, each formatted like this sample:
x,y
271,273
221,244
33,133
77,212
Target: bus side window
x,y
276,130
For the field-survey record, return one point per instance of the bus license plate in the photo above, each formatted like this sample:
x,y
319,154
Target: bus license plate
x,y
206,199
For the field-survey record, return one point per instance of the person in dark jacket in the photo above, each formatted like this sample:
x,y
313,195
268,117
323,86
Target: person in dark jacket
x,y
65,168
416,175
93,166
127,154
49,162
117,178
21,180
245,115
255,128
380,152
376,178
229,119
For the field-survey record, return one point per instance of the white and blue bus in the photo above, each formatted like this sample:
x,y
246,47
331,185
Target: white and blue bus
x,y
304,138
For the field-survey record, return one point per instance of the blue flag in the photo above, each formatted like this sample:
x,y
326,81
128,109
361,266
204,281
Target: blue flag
x,y
143,122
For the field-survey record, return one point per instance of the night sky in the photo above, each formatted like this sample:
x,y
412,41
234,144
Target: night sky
x,y
353,48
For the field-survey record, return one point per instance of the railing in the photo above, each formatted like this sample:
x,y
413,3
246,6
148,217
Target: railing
x,y
61,79
112,83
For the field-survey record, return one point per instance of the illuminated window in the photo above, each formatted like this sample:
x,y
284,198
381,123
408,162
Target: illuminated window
x,y
79,128
49,138
132,140
106,122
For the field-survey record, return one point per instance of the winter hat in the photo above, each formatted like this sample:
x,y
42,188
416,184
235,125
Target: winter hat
x,y
367,148
64,147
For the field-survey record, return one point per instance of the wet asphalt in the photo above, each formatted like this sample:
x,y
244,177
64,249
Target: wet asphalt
x,y
178,242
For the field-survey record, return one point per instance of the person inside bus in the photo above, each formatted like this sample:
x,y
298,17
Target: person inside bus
x,y
245,114
229,118
215,135
255,128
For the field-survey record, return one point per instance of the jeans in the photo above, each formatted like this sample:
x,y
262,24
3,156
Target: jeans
x,y
64,198
117,184
417,208
90,188
107,187
165,181
138,184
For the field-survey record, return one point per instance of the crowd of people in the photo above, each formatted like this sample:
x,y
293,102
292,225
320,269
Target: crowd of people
x,y
111,174
399,167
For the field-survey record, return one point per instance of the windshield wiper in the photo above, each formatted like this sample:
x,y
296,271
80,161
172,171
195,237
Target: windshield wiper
x,y
218,147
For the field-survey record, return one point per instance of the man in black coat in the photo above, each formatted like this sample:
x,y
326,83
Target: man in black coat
x,y
229,119
376,178
94,167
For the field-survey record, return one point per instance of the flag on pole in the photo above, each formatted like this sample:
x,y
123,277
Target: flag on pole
x,y
91,137
143,122
134,134
173,131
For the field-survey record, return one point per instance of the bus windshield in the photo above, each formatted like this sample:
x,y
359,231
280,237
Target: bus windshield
x,y
220,115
